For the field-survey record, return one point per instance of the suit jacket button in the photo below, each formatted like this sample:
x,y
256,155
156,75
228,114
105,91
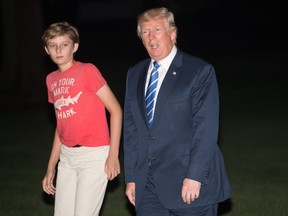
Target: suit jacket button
x,y
151,137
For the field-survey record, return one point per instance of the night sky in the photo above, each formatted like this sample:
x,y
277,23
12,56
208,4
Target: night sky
x,y
216,30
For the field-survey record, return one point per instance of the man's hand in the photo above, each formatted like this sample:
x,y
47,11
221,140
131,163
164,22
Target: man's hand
x,y
190,190
130,192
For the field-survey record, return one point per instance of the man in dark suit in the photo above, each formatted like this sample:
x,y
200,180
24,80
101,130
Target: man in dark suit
x,y
172,162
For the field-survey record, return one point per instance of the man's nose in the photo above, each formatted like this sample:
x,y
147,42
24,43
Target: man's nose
x,y
151,35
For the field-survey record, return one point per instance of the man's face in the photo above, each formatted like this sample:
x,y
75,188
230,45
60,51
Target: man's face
x,y
157,38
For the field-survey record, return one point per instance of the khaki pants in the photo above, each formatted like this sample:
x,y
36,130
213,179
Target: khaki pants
x,y
81,181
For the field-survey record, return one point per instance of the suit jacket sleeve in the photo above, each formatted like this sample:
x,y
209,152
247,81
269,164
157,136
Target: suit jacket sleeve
x,y
130,134
205,114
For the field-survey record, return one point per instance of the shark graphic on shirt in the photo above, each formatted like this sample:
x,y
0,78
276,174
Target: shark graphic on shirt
x,y
66,101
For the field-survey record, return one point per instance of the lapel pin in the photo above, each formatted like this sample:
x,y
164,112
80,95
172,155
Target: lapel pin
x,y
174,73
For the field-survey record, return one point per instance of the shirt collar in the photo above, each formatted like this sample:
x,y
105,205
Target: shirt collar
x,y
167,61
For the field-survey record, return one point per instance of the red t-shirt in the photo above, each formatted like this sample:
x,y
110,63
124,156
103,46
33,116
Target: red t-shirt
x,y
81,115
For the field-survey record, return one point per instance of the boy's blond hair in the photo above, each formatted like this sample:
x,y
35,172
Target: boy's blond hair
x,y
60,29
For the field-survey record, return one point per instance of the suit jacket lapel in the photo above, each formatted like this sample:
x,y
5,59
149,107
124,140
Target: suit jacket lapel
x,y
141,92
171,76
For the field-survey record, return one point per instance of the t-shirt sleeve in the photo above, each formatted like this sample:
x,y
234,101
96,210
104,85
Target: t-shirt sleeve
x,y
93,78
49,98
48,89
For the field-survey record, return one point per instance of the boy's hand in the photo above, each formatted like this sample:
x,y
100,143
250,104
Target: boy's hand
x,y
112,167
47,183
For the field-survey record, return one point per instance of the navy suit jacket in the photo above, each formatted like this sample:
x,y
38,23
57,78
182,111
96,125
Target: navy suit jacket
x,y
183,138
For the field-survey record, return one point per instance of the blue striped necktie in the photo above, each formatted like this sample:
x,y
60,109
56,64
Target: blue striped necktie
x,y
151,93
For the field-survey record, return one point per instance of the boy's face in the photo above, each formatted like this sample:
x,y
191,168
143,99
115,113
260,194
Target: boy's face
x,y
61,50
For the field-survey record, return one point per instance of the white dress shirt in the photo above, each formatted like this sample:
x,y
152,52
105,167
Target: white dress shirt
x,y
162,70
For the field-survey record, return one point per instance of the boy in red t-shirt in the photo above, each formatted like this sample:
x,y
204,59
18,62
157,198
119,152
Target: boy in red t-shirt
x,y
86,150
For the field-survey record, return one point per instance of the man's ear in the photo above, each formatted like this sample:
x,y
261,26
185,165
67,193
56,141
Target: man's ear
x,y
47,50
75,48
173,36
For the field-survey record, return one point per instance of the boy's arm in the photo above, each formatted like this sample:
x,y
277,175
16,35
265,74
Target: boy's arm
x,y
112,166
47,182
